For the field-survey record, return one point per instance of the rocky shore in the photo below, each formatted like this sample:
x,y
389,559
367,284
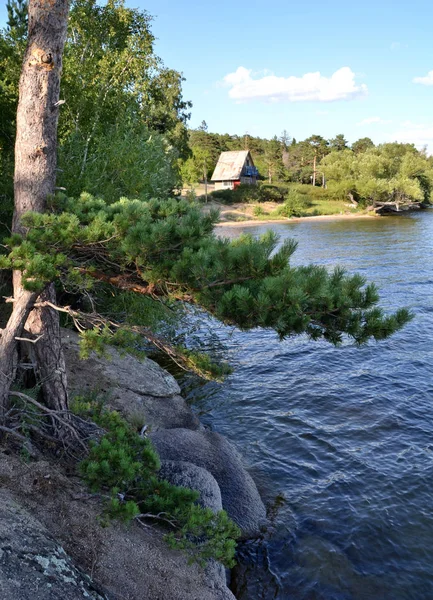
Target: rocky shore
x,y
52,545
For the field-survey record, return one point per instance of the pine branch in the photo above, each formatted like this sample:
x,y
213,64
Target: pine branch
x,y
84,321
122,282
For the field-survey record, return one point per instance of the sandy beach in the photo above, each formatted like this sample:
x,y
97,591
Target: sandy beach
x,y
251,222
242,215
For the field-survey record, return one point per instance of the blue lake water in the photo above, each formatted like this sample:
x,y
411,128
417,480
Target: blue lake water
x,y
340,440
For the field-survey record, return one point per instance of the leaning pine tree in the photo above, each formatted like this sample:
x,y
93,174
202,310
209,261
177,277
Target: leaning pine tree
x,y
166,249
159,250
34,182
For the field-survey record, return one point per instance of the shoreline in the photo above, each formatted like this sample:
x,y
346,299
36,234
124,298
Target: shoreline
x,y
251,222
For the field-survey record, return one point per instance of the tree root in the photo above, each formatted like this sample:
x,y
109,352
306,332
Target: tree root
x,y
33,423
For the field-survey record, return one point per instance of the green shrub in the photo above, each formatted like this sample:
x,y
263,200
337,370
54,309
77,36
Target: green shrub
x,y
242,193
295,204
272,193
263,192
258,211
247,193
191,196
124,466
225,196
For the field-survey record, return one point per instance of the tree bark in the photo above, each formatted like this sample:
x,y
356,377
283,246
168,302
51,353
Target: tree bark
x,y
47,353
352,199
8,344
35,177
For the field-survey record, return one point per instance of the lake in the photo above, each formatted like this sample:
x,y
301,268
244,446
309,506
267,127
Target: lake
x,y
339,440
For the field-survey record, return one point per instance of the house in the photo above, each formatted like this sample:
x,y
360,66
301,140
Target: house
x,y
234,168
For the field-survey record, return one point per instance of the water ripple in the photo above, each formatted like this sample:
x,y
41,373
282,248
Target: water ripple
x,y
343,435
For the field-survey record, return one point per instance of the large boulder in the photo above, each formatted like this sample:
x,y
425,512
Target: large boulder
x,y
185,474
214,453
33,566
141,390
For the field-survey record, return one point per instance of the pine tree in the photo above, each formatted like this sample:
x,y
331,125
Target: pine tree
x,y
17,19
165,249
34,182
159,250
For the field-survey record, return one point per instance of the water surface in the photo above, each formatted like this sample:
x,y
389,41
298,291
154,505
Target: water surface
x,y
340,440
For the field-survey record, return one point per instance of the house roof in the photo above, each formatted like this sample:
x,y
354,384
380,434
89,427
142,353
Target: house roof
x,y
230,165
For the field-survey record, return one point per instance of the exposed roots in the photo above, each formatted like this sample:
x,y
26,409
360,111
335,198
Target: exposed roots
x,y
32,426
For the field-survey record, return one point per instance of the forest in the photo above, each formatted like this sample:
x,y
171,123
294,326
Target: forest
x,y
362,174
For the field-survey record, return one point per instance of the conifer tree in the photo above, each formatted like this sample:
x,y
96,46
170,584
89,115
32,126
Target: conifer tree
x,y
34,182
17,18
155,250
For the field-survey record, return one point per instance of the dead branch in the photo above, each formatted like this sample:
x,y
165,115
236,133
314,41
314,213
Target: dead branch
x,y
53,414
35,341
14,433
158,517
85,321
26,442
123,283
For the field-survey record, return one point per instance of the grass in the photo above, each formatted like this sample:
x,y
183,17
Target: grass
x,y
301,201
329,207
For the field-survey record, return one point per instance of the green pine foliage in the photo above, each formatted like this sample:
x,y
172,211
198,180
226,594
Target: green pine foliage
x,y
124,466
169,249
206,535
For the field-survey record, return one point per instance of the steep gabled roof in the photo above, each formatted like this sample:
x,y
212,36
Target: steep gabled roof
x,y
230,165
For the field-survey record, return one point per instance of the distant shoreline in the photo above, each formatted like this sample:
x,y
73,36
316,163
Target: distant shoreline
x,y
251,222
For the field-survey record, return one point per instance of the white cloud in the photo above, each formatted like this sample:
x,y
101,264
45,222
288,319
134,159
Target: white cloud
x,y
310,87
427,80
373,120
415,133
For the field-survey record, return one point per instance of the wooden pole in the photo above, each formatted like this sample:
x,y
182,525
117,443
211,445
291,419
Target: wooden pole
x,y
205,179
314,169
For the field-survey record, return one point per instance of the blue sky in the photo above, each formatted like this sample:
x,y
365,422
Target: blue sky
x,y
311,67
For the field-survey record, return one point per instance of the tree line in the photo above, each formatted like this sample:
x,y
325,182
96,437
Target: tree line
x,y
361,173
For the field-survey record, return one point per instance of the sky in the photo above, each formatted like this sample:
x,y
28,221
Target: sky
x,y
261,67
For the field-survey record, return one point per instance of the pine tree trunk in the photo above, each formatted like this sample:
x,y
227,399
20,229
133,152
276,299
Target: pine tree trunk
x,y
8,344
47,352
35,177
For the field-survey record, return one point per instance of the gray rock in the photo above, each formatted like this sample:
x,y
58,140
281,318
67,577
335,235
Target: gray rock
x,y
185,474
141,390
32,565
128,562
214,453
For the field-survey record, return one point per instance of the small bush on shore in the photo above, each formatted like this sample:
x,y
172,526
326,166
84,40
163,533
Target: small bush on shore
x,y
295,205
263,192
124,466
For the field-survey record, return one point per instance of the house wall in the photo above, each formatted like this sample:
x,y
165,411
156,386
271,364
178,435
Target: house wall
x,y
230,185
224,185
249,180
